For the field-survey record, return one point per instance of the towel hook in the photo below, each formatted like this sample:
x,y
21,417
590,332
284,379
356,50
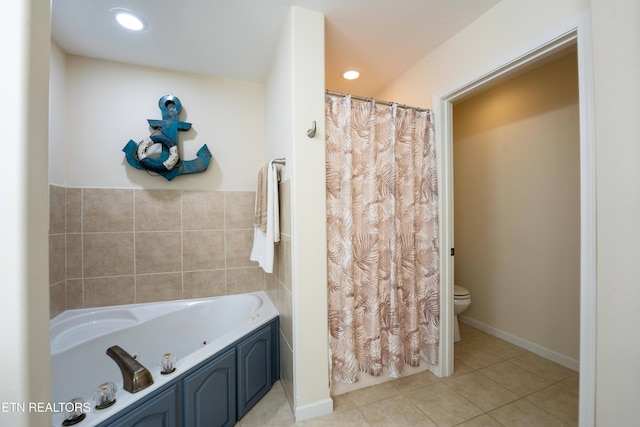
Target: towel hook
x,y
312,132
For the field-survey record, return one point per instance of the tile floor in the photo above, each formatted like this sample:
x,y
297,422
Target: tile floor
x,y
495,384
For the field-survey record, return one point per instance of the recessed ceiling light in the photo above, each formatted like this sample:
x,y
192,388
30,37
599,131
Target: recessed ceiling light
x,y
351,75
128,19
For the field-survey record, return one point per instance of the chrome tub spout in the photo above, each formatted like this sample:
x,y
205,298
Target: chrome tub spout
x,y
135,377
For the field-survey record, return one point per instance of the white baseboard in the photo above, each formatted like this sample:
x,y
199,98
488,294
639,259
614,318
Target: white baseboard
x,y
528,345
315,409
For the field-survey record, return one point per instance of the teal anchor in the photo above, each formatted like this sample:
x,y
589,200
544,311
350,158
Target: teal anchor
x,y
168,164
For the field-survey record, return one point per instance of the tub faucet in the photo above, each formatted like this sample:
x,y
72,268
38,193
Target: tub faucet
x,y
135,377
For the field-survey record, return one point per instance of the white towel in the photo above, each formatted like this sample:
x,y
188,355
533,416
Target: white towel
x,y
263,241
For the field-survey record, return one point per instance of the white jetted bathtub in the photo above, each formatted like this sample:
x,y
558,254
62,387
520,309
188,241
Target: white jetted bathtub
x,y
195,331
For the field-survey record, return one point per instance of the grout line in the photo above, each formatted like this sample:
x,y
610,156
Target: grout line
x,y
408,393
136,194
135,279
182,239
224,240
84,302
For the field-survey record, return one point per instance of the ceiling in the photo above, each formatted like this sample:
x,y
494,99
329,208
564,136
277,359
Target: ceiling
x,y
236,38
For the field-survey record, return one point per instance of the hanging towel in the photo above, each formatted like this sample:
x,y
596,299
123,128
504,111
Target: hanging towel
x,y
260,213
263,241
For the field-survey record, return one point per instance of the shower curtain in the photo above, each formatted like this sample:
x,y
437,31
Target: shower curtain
x,y
382,235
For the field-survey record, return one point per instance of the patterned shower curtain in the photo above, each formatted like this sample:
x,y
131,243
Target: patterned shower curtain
x,y
382,234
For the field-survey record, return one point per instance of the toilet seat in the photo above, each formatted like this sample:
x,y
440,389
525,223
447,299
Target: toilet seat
x,y
460,293
461,301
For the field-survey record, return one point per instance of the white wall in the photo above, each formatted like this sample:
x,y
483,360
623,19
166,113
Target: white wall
x,y
57,114
108,103
308,207
615,36
279,143
517,207
278,105
295,98
24,306
509,24
616,53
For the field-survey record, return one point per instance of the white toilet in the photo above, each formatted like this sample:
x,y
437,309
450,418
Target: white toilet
x,y
461,300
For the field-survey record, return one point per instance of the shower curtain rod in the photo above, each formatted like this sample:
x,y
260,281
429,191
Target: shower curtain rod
x,y
377,101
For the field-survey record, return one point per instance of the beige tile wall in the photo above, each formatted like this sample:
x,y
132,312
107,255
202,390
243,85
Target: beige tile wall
x,y
57,250
112,246
279,288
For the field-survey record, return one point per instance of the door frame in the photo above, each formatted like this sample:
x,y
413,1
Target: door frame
x,y
574,31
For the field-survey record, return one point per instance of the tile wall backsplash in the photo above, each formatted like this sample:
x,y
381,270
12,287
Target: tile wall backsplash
x,y
112,246
279,287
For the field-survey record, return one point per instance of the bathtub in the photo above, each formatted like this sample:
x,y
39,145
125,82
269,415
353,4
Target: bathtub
x,y
194,330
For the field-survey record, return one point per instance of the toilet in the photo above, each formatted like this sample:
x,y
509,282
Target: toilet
x,y
461,300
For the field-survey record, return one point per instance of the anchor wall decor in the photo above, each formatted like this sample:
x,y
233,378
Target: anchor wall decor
x,y
168,164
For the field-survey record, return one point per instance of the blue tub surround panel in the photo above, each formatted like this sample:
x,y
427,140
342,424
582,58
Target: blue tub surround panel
x,y
210,393
216,393
160,410
254,370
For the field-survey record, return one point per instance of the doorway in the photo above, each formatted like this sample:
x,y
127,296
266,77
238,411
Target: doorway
x,y
576,30
517,208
